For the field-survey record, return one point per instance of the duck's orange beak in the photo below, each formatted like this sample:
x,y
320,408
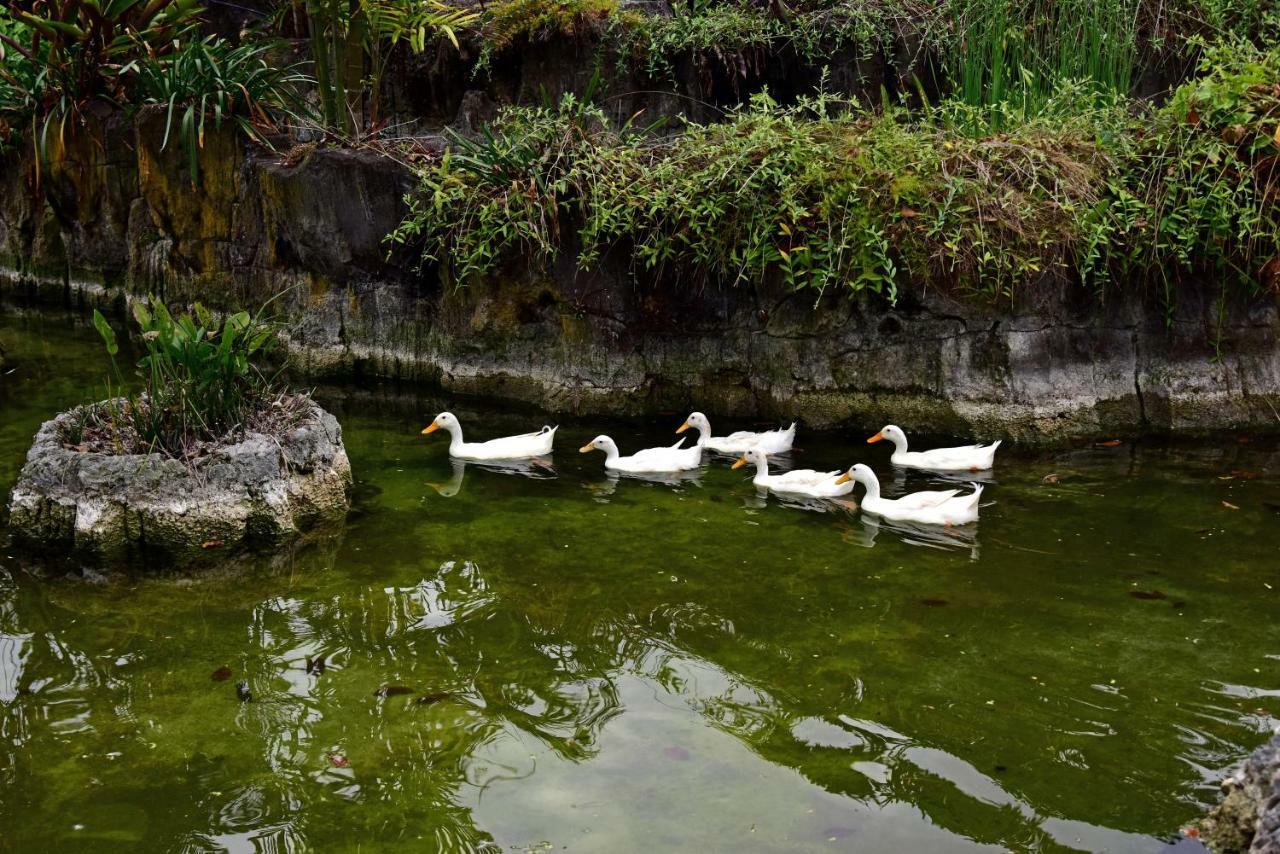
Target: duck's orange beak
x,y
431,428
587,448
740,463
844,478
879,437
682,427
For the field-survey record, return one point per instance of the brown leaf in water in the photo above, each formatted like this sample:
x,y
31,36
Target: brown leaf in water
x,y
1229,505
1147,594
1110,443
222,674
1049,478
1247,474
211,544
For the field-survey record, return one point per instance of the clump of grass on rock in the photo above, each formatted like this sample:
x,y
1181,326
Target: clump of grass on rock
x,y
202,385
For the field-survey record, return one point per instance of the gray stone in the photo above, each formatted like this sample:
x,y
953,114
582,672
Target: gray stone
x,y
104,509
1248,819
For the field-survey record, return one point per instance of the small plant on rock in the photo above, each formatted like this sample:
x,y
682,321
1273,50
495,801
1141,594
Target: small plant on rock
x,y
201,379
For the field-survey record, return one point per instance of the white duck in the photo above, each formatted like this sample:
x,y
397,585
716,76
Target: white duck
x,y
771,442
648,461
815,484
507,448
964,458
939,507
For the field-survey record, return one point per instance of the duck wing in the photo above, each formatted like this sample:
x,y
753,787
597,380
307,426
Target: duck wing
x,y
648,454
803,477
926,498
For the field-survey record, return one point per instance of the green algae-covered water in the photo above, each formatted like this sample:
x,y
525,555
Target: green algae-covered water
x,y
549,659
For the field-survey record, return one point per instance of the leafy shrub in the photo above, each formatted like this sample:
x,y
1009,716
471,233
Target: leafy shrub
x,y
200,377
1199,185
821,194
70,53
739,35
211,77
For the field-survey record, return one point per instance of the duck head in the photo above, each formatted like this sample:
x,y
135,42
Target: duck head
x,y
697,421
600,443
755,455
858,473
893,434
444,421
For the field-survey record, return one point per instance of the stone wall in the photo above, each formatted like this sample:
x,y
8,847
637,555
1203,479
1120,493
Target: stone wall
x,y
123,219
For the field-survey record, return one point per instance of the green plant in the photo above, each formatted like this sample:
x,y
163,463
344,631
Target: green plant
x,y
71,52
200,375
212,78
820,195
1016,53
350,46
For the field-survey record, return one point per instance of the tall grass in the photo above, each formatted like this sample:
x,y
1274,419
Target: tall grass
x,y
1014,54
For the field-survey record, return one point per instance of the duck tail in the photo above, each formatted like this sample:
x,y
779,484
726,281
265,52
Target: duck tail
x,y
976,496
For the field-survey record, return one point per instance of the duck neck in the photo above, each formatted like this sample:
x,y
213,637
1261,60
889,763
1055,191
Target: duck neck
x,y
702,435
455,437
762,468
610,452
872,483
899,444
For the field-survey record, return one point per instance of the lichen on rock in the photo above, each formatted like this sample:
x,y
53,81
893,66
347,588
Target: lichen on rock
x,y
255,493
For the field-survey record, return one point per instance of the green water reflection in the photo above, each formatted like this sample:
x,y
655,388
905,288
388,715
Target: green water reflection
x,y
549,658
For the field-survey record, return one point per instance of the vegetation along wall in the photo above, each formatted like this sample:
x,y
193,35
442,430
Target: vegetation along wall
x,y
1003,218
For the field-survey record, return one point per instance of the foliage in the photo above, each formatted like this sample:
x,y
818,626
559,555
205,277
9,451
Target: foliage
x,y
71,52
199,375
739,35
1017,52
1199,188
489,199
350,46
212,77
511,21
820,194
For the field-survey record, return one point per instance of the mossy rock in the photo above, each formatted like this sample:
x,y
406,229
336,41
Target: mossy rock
x,y
256,494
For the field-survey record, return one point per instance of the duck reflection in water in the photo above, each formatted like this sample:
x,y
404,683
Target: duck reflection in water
x,y
760,500
602,489
913,534
536,468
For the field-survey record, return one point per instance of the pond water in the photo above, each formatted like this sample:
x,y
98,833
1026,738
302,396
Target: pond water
x,y
554,660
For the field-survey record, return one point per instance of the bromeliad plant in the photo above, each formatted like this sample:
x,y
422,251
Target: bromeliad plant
x,y
69,53
210,78
201,377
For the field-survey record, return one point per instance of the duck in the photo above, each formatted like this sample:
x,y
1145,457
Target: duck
x,y
932,507
814,484
964,458
507,448
650,460
771,441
